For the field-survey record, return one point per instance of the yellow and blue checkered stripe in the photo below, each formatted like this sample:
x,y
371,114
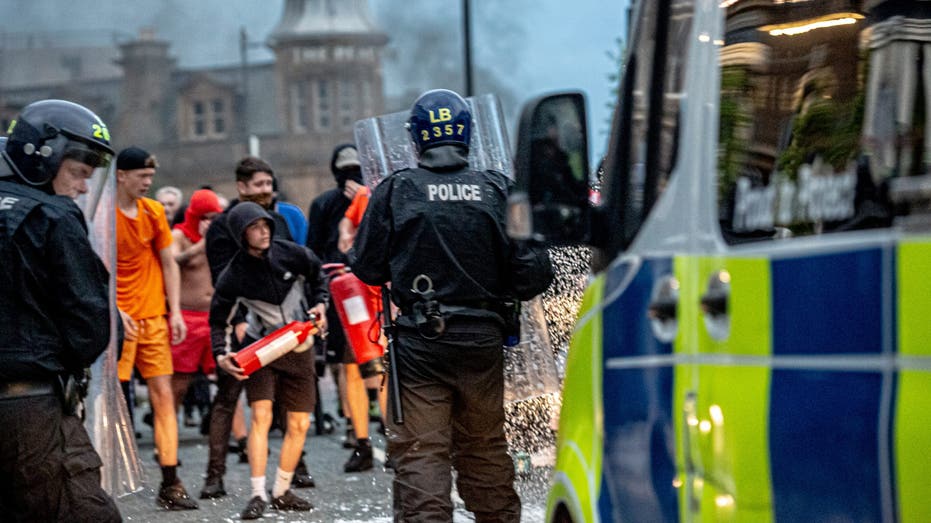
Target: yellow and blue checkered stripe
x,y
815,407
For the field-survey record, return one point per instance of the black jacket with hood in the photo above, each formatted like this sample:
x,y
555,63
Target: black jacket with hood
x,y
221,244
276,288
327,210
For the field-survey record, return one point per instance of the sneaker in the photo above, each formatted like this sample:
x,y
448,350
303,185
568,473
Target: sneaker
x,y
189,420
174,497
361,458
291,501
254,509
302,478
350,442
213,488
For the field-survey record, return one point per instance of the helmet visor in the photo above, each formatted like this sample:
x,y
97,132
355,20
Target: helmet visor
x,y
94,157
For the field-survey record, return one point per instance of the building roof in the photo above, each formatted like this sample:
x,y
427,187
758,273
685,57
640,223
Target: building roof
x,y
311,19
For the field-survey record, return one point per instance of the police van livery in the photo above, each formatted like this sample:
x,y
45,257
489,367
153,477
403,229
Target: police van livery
x,y
755,344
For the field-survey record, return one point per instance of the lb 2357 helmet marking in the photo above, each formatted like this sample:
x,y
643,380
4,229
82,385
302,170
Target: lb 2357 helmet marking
x,y
440,117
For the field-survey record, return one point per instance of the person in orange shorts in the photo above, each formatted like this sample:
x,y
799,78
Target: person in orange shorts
x,y
356,393
147,275
194,353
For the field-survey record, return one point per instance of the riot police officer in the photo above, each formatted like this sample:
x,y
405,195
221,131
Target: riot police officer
x,y
437,233
54,315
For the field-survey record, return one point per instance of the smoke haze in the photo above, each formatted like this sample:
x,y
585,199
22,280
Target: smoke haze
x,y
521,48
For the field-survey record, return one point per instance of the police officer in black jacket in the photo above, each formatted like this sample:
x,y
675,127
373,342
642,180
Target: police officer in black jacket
x,y
437,233
54,315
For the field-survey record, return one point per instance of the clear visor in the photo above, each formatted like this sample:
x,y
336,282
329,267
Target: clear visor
x,y
96,158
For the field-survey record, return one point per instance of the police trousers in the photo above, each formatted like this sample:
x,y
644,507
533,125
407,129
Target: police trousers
x,y
452,391
48,469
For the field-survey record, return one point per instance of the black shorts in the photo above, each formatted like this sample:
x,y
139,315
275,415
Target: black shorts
x,y
290,380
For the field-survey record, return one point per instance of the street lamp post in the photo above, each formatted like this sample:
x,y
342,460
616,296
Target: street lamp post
x,y
467,46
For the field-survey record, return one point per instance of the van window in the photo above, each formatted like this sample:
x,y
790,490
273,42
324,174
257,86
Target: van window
x,y
822,107
643,146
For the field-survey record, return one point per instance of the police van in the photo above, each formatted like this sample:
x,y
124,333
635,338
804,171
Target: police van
x,y
755,341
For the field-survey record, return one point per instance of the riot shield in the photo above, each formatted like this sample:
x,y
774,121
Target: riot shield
x,y
107,420
385,147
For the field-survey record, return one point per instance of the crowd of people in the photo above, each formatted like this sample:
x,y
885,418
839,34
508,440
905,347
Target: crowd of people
x,y
200,278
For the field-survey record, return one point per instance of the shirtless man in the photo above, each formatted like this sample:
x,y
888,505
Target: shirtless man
x,y
194,353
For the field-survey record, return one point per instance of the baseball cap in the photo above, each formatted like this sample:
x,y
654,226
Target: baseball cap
x,y
134,157
347,157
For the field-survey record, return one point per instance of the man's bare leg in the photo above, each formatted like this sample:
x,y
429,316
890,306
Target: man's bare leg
x,y
165,419
258,436
294,438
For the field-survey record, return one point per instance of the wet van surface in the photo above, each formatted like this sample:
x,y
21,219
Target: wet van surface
x,y
755,343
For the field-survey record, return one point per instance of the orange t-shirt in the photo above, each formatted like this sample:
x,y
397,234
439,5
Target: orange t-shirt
x,y
356,209
140,287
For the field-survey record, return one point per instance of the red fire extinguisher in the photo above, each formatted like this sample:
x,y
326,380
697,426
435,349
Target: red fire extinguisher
x,y
358,306
268,349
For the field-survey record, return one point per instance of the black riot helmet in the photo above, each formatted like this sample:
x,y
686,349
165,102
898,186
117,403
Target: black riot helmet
x,y
48,132
440,117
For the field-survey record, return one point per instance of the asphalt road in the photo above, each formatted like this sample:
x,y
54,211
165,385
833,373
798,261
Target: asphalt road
x,y
338,497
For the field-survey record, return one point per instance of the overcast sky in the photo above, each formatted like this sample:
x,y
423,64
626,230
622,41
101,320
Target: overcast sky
x,y
529,46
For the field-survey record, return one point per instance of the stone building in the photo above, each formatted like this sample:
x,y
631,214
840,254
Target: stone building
x,y
326,74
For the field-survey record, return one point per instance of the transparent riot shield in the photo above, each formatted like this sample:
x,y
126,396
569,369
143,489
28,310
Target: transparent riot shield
x,y
530,366
107,420
385,147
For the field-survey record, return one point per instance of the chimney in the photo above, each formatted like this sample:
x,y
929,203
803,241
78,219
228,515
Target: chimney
x,y
147,69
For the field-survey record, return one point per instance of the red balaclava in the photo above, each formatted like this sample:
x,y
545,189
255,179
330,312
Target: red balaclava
x,y
203,201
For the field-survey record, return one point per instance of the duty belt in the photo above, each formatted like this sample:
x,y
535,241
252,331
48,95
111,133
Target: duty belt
x,y
25,389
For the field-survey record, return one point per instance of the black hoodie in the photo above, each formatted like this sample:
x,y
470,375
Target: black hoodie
x,y
277,288
328,209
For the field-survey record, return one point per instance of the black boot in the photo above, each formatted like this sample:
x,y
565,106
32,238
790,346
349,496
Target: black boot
x,y
302,478
349,442
213,487
361,458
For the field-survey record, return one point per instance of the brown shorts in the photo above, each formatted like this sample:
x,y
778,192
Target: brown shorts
x,y
150,351
289,380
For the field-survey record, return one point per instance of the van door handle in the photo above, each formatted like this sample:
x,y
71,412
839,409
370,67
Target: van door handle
x,y
663,308
714,305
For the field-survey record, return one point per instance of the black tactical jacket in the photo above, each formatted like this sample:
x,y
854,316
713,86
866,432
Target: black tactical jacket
x,y
447,222
54,303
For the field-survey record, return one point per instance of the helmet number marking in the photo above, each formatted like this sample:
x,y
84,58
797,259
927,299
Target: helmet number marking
x,y
101,131
445,115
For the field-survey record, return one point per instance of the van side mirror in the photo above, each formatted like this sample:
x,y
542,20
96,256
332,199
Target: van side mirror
x,y
550,201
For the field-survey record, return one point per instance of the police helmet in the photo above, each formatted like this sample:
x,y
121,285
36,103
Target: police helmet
x,y
48,132
440,117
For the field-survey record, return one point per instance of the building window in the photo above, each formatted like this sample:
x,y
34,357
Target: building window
x,y
300,111
347,96
323,105
219,117
343,53
208,119
367,102
311,54
200,124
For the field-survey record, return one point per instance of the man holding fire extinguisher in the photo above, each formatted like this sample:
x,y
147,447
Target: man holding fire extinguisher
x,y
275,280
437,233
